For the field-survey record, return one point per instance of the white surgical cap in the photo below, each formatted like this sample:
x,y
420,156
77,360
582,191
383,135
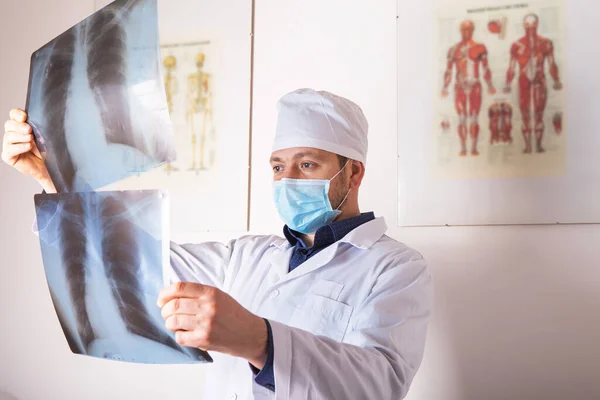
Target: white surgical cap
x,y
321,120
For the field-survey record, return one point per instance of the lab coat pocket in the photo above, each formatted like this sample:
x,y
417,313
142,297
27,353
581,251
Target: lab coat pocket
x,y
327,289
322,316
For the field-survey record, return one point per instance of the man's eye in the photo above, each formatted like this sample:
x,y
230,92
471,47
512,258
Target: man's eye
x,y
276,168
306,165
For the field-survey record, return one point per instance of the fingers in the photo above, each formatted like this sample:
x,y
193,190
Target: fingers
x,y
181,322
18,127
15,150
18,115
16,138
192,339
180,306
181,290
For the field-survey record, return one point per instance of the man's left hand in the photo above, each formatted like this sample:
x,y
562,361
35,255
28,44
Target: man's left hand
x,y
207,318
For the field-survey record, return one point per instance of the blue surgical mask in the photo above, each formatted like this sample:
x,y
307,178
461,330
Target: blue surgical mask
x,y
304,204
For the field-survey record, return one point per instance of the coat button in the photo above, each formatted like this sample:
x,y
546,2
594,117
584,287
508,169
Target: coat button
x,y
274,293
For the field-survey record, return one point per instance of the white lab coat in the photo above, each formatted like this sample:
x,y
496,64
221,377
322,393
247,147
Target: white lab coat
x,y
349,323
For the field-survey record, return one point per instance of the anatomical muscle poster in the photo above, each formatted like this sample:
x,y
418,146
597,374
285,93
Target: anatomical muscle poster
x,y
497,113
499,103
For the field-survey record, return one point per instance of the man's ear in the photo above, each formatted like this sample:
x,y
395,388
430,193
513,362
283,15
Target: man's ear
x,y
357,174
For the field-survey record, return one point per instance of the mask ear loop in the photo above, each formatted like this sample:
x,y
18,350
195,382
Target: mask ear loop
x,y
343,201
340,171
348,193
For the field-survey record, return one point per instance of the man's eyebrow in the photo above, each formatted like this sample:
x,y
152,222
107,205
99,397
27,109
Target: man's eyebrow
x,y
300,155
308,154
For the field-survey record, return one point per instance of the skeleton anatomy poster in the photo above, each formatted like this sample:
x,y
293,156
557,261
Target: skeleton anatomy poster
x,y
187,77
503,129
500,104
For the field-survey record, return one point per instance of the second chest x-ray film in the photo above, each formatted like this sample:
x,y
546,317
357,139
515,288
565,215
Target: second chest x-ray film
x,y
104,254
96,101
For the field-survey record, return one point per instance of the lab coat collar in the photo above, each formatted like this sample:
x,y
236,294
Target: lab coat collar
x,y
280,243
366,235
362,237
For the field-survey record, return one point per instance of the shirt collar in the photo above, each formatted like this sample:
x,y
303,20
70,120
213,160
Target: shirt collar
x,y
330,233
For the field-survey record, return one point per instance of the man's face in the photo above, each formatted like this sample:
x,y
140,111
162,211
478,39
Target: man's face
x,y
531,24
466,30
310,163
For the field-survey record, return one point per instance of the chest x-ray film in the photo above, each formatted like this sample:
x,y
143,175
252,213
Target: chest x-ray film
x,y
96,101
103,255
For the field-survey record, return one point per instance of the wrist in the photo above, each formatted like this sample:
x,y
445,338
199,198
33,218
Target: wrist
x,y
47,185
257,351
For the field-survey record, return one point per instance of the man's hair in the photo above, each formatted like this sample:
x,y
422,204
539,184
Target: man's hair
x,y
342,160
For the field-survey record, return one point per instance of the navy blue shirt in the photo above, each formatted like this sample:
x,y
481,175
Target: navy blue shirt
x,y
324,237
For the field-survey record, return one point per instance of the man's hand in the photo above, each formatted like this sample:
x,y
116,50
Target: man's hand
x,y
20,151
207,318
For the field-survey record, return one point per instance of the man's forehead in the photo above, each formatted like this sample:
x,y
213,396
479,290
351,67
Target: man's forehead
x,y
300,152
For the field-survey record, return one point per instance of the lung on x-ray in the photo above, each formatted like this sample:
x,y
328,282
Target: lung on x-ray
x,y
103,255
96,101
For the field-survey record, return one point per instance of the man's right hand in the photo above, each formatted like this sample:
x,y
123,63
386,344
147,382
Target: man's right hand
x,y
20,151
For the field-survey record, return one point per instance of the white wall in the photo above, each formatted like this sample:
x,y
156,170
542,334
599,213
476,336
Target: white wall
x,y
517,308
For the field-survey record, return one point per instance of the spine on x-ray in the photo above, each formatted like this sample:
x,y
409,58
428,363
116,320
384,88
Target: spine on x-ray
x,y
121,257
106,45
55,89
73,241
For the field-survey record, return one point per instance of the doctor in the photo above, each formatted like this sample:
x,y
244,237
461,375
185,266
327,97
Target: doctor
x,y
333,310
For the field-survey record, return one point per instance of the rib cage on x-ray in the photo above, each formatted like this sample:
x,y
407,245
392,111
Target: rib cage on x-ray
x,y
104,270
106,45
96,101
120,254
